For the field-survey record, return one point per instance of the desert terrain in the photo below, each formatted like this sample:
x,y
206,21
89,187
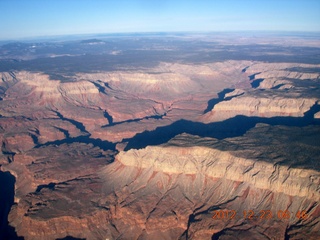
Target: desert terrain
x,y
161,137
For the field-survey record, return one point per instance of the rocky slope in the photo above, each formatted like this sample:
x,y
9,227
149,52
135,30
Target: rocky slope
x,y
173,191
64,144
206,175
277,90
112,98
261,106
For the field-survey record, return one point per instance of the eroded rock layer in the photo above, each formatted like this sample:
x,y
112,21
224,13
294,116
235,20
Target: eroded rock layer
x,y
199,176
173,191
107,155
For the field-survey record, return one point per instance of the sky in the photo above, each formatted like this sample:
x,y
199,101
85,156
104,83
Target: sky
x,y
32,18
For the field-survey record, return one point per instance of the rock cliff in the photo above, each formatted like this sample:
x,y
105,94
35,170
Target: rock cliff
x,y
276,90
85,165
178,190
261,107
194,177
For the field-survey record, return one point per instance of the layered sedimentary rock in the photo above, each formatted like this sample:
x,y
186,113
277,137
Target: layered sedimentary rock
x,y
64,143
169,91
173,191
207,175
277,90
261,107
218,164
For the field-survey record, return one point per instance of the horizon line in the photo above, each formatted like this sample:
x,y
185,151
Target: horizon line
x,y
40,37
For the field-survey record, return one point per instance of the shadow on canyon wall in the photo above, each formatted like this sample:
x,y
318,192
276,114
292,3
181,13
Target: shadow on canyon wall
x,y
70,238
233,127
6,201
104,145
212,102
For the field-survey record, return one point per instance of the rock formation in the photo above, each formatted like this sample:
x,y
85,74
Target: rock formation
x,y
174,190
71,148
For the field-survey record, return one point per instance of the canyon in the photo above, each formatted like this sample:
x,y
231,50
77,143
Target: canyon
x,y
164,151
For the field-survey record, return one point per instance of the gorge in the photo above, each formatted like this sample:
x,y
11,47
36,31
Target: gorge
x,y
194,143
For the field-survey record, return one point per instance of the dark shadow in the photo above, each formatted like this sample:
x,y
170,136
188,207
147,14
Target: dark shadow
x,y
100,88
65,132
70,238
233,127
229,233
256,83
217,235
212,102
133,120
49,186
252,77
105,145
78,125
244,69
7,182
278,86
313,110
108,116
107,85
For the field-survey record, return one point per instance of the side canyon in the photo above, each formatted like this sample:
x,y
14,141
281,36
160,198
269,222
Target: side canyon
x,y
168,151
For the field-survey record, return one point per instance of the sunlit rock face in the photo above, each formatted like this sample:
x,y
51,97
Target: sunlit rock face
x,y
157,152
277,90
174,190
190,178
261,107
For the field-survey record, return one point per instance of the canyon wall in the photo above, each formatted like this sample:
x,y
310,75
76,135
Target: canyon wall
x,y
112,154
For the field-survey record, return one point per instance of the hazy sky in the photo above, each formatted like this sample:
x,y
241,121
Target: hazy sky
x,y
27,18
